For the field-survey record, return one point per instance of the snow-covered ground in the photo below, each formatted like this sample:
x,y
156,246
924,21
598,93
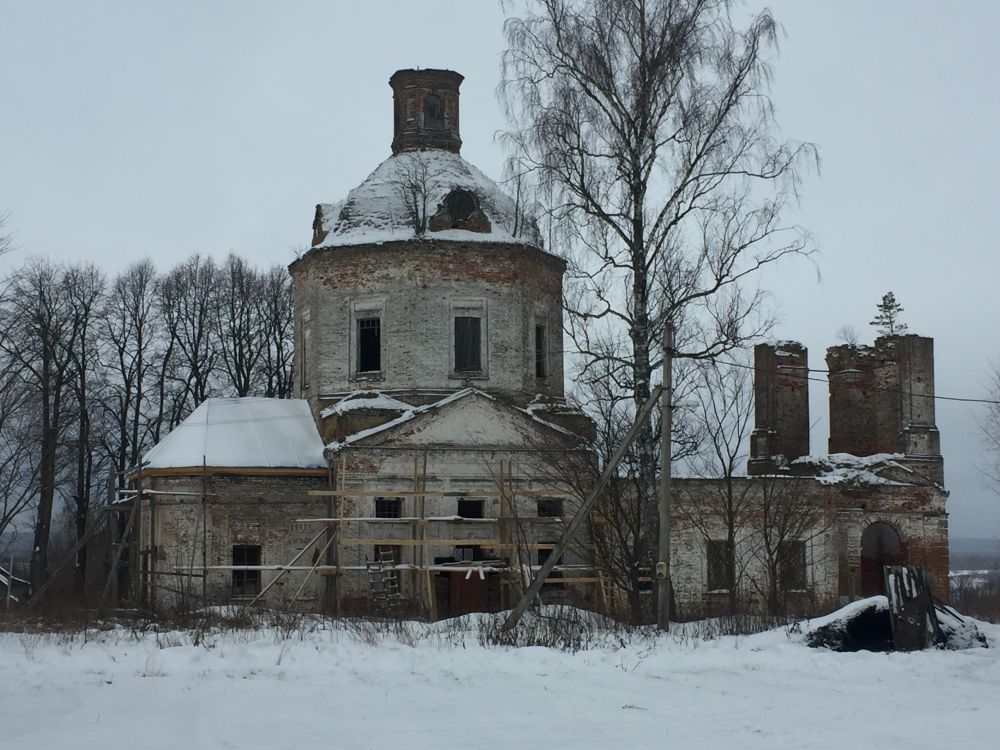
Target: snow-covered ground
x,y
436,687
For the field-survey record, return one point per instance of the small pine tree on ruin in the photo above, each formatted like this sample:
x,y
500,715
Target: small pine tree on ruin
x,y
886,320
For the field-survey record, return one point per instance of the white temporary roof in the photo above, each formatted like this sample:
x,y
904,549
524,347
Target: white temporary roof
x,y
243,432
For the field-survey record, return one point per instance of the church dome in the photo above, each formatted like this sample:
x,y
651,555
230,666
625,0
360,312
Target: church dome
x,y
425,190
424,194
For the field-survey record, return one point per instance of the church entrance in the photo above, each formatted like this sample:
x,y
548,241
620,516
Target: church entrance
x,y
880,546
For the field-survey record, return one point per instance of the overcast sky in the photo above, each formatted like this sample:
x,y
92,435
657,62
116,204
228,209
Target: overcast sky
x,y
132,129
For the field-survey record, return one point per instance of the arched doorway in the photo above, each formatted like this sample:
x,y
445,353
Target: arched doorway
x,y
880,545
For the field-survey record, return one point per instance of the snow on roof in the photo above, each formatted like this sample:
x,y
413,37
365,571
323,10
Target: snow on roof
x,y
839,468
356,400
406,416
377,210
413,411
248,432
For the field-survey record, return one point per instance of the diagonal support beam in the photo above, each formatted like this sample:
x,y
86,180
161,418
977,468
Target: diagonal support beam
x,y
584,511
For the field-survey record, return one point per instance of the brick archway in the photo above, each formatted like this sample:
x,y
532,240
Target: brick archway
x,y
881,544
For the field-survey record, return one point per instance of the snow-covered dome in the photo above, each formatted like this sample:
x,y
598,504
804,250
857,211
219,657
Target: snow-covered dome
x,y
425,194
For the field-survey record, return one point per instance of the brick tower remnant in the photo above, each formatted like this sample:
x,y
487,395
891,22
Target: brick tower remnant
x,y
781,406
882,401
425,107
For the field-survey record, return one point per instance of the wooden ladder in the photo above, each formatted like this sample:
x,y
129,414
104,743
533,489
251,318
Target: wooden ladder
x,y
384,582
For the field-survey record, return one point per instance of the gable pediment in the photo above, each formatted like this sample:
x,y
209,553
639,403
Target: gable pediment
x,y
473,420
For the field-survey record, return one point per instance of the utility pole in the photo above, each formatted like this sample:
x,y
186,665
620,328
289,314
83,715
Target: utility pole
x,y
10,583
665,500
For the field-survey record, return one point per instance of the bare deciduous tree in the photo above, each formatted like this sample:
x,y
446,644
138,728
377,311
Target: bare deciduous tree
x,y
783,523
724,411
240,326
278,350
188,303
38,335
6,239
19,459
412,185
649,135
131,334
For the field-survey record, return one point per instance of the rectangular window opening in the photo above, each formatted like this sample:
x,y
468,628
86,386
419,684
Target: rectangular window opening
x,y
719,565
541,361
470,508
469,553
246,582
550,507
468,343
388,507
792,566
369,345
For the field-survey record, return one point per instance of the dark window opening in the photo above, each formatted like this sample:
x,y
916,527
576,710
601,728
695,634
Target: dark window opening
x,y
470,508
369,345
550,507
467,344
792,566
433,112
388,507
719,565
246,582
469,553
460,205
541,361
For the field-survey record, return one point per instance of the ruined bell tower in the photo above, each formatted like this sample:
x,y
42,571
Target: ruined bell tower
x,y
425,110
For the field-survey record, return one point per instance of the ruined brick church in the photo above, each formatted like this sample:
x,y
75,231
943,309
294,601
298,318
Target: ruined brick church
x,y
429,376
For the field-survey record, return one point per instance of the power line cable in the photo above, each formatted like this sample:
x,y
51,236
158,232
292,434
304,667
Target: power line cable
x,y
936,397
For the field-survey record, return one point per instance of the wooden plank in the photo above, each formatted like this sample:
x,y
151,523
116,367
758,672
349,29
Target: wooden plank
x,y
251,471
285,569
437,493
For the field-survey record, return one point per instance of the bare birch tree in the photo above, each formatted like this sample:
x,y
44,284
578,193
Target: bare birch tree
x,y
647,129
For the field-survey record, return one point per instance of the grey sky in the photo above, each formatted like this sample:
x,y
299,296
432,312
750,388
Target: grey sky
x,y
131,129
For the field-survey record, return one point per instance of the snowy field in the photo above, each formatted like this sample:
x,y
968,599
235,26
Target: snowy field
x,y
436,687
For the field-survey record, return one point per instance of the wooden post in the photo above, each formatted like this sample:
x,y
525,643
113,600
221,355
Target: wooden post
x,y
152,549
112,533
666,425
432,610
204,531
139,585
339,548
331,582
130,525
